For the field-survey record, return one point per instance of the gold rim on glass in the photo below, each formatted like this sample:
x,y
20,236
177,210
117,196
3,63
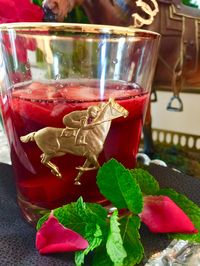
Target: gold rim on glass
x,y
76,27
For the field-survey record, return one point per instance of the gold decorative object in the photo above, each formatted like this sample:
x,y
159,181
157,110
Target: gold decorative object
x,y
139,20
84,135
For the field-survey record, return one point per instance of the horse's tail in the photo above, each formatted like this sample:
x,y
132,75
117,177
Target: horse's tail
x,y
28,137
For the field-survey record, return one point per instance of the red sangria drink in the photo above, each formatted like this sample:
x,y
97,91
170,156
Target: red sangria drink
x,y
61,131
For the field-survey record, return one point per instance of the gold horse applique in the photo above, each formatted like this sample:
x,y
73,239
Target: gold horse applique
x,y
84,135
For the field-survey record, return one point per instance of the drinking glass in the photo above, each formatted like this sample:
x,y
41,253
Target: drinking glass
x,y
73,96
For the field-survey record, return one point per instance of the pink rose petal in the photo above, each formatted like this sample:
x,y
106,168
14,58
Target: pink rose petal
x,y
54,237
162,215
20,11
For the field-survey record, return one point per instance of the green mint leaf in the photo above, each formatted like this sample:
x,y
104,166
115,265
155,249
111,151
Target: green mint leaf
x,y
117,185
101,258
94,241
148,184
41,221
190,209
38,2
114,244
108,185
98,210
131,239
79,216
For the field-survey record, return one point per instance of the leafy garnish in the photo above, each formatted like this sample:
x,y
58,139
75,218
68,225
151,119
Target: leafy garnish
x,y
101,258
148,184
117,185
94,241
98,210
115,241
131,238
190,208
114,244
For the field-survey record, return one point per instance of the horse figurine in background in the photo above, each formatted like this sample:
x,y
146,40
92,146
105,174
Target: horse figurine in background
x,y
55,142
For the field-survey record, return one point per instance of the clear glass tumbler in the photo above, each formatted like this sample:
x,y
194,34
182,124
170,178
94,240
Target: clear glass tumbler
x,y
72,96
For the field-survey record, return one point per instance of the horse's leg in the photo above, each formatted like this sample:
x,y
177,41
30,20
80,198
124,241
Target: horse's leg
x,y
77,179
93,160
45,159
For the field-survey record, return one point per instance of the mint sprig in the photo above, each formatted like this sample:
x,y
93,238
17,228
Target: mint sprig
x,y
130,226
117,185
101,257
94,240
148,184
115,239
114,244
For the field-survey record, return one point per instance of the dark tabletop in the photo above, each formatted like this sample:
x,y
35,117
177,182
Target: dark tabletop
x,y
17,237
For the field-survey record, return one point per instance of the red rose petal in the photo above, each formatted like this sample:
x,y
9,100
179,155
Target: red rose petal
x,y
162,215
54,237
20,11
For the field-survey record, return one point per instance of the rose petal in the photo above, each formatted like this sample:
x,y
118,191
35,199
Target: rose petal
x,y
54,237
20,11
162,215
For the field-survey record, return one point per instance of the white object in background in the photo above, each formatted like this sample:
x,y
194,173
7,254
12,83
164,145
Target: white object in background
x,y
158,162
4,149
144,159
